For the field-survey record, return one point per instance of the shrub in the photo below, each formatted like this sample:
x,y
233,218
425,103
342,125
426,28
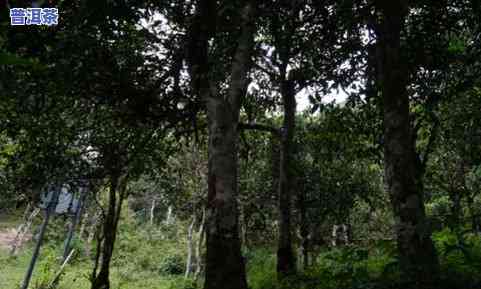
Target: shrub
x,y
46,268
171,265
261,269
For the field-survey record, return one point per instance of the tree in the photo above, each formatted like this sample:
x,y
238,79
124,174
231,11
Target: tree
x,y
302,49
418,257
107,107
224,263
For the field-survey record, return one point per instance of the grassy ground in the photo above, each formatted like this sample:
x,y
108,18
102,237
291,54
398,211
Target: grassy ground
x,y
12,271
154,258
137,264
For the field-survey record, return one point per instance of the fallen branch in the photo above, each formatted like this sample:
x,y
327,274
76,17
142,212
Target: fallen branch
x,y
57,276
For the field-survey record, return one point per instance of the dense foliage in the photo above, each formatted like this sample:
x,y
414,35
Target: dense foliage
x,y
188,144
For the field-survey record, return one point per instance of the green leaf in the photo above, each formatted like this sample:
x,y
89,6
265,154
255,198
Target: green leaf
x,y
12,59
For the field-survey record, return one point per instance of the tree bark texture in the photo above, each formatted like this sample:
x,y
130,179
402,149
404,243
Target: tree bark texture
x,y
200,245
286,263
117,193
418,258
225,268
190,249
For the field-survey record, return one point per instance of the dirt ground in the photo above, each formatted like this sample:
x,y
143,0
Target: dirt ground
x,y
7,236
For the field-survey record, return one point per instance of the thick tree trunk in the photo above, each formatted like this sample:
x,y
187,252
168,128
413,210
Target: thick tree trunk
x,y
418,258
224,263
286,263
117,192
225,268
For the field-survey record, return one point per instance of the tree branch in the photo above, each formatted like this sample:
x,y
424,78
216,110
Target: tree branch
x,y
259,127
430,145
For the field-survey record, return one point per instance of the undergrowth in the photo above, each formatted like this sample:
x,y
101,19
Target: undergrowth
x,y
372,268
154,258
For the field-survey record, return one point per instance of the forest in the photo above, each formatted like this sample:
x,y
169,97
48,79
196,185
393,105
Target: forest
x,y
241,144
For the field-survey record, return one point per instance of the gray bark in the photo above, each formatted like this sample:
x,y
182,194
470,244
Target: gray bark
x,y
152,211
190,249
225,268
200,245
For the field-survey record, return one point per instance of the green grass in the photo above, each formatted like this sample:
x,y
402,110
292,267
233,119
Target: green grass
x,y
153,258
142,260
76,276
12,270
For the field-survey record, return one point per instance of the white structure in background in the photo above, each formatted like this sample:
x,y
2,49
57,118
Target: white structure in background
x,y
67,201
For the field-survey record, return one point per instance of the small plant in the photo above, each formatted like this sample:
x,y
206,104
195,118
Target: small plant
x,y
172,265
46,270
261,271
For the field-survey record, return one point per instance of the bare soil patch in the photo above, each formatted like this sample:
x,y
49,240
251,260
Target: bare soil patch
x,y
7,236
